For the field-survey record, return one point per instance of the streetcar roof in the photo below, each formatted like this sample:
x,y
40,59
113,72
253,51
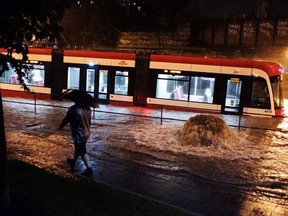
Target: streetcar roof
x,y
96,54
271,68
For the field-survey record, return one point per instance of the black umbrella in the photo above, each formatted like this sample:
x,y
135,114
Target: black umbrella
x,y
80,97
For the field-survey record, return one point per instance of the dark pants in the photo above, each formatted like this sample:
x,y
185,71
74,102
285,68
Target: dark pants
x,y
80,148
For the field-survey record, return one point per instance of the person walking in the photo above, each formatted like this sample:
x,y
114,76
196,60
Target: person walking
x,y
79,117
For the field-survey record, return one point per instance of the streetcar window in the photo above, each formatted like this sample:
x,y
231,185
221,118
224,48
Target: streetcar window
x,y
172,87
276,83
73,78
90,79
260,94
103,84
3,77
202,89
121,83
33,76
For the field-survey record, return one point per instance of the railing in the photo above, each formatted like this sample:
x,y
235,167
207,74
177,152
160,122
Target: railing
x,y
35,104
161,118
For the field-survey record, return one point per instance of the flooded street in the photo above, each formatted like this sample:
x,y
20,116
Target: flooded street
x,y
249,171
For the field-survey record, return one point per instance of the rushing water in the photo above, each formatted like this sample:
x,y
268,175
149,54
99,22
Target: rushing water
x,y
255,158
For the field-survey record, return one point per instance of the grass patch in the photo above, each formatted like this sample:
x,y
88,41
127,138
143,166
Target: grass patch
x,y
35,191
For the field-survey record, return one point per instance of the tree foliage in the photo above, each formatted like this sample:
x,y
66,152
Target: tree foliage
x,y
20,22
150,15
23,21
93,23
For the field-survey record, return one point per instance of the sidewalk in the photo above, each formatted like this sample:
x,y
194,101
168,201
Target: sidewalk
x,y
192,195
159,187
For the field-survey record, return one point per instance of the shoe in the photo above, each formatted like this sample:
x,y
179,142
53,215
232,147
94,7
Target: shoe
x,y
71,162
88,172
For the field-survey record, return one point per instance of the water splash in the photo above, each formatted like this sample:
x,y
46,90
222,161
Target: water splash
x,y
206,130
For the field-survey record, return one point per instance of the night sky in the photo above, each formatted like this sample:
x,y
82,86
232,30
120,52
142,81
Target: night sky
x,y
216,8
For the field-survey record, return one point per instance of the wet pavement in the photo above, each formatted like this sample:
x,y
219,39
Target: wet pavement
x,y
202,183
191,194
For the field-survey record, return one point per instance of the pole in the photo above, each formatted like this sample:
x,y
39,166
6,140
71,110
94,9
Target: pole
x,y
225,10
34,102
161,113
239,123
4,176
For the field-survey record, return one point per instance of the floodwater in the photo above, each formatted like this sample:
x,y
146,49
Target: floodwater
x,y
252,163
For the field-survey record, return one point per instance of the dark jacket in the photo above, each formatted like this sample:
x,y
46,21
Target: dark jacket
x,y
79,117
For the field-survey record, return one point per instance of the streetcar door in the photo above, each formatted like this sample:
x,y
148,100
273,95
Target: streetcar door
x,y
233,93
96,84
90,81
103,85
73,78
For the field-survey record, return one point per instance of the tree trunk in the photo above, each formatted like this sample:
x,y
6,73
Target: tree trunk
x,y
4,178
